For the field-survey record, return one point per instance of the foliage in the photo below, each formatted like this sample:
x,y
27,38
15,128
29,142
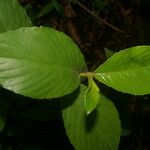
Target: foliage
x,y
91,96
53,4
42,63
12,16
101,5
127,71
39,59
99,130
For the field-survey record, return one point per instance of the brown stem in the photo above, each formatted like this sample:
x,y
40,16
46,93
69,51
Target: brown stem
x,y
98,18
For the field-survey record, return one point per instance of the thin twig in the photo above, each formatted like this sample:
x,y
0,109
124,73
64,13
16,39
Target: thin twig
x,y
98,18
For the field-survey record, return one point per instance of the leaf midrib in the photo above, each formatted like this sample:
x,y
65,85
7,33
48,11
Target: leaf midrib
x,y
122,71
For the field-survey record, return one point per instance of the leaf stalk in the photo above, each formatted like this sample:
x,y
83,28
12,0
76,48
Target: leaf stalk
x,y
87,74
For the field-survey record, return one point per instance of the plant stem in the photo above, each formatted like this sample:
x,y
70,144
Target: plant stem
x,y
86,74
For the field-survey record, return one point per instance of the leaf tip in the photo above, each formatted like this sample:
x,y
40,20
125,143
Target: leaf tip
x,y
88,112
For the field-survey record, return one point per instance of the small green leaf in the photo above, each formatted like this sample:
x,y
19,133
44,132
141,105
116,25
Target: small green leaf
x,y
39,62
3,110
57,6
98,131
127,71
12,16
53,4
91,97
109,53
125,132
46,9
101,4
2,122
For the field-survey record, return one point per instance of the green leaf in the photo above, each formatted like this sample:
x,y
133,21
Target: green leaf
x,y
46,9
2,122
91,97
39,62
3,109
109,53
98,131
125,132
12,16
101,5
127,71
53,4
57,6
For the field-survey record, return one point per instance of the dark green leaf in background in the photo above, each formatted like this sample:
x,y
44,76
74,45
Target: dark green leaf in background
x,y
3,111
12,16
109,52
98,131
127,71
53,4
57,6
101,5
39,62
46,9
4,104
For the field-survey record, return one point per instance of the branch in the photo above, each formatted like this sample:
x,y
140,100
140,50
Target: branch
x,y
98,18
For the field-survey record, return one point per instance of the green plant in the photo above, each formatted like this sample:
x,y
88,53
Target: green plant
x,y
101,5
43,63
53,4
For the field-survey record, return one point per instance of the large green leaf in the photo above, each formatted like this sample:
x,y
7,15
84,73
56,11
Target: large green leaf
x,y
127,71
12,16
39,62
98,131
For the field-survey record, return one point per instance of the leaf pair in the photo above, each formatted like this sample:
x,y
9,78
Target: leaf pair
x,y
44,63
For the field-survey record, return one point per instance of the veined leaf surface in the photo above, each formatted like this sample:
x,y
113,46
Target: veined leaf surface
x,y
39,62
127,71
91,97
98,131
12,16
